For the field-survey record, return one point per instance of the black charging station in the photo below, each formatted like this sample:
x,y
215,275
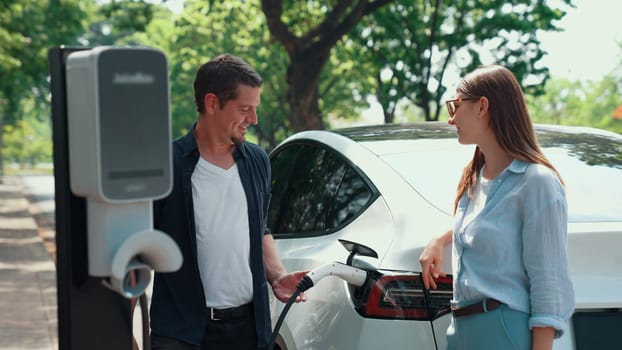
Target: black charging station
x,y
90,316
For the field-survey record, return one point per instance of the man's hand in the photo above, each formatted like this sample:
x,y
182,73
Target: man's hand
x,y
285,286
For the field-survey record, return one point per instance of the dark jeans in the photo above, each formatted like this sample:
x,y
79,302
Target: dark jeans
x,y
219,335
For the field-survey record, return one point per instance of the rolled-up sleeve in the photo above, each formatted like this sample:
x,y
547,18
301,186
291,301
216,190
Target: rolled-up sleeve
x,y
545,234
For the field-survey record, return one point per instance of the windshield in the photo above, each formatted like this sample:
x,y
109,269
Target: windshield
x,y
592,176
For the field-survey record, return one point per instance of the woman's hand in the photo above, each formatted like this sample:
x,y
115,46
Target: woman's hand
x,y
431,259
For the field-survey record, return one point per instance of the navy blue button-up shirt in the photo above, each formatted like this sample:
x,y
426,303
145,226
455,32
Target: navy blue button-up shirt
x,y
178,302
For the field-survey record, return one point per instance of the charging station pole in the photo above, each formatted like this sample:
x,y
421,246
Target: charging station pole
x,y
90,316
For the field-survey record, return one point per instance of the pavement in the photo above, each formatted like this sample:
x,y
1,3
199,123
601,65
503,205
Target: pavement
x,y
27,272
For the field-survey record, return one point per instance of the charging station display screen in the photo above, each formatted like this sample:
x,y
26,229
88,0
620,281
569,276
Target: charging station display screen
x,y
134,123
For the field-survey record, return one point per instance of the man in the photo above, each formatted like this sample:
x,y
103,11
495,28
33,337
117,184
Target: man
x,y
217,213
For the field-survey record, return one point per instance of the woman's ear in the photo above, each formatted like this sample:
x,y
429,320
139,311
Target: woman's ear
x,y
483,104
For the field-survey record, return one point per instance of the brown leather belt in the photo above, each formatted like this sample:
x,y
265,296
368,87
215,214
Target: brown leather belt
x,y
232,313
477,308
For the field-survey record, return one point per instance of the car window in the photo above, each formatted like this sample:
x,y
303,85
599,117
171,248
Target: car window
x,y
314,190
432,167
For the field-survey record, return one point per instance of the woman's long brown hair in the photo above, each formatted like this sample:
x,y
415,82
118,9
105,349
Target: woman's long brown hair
x,y
509,121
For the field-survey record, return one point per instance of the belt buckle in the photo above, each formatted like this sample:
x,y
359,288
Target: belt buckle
x,y
211,315
485,305
454,306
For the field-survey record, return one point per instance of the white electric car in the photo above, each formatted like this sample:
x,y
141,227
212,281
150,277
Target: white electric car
x,y
391,189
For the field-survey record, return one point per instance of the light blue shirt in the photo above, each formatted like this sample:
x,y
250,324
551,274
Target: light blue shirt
x,y
515,249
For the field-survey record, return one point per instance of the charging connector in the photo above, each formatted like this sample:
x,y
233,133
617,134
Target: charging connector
x,y
350,274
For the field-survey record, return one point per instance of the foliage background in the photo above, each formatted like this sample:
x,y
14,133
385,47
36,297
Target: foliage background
x,y
399,53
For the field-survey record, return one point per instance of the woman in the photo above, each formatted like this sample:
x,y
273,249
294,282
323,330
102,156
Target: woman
x,y
512,288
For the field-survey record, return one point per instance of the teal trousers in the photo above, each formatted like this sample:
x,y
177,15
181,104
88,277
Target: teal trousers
x,y
499,329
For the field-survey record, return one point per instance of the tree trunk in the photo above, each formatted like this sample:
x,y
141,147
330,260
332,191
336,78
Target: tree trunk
x,y
309,53
389,117
303,94
1,147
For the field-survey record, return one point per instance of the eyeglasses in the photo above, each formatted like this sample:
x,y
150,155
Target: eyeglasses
x,y
452,105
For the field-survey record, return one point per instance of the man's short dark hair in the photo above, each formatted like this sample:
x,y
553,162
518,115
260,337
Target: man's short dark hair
x,y
221,76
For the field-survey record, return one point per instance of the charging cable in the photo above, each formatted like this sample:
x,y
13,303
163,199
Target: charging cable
x,y
144,314
350,274
428,303
145,324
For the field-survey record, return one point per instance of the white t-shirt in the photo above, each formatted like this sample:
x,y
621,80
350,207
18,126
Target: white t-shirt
x,y
222,228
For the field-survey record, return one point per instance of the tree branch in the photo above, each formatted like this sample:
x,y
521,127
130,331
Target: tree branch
x,y
332,29
273,9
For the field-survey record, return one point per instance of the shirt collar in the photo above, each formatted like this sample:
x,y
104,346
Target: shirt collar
x,y
518,166
188,145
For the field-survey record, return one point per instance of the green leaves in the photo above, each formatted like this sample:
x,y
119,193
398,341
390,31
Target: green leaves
x,y
568,102
421,43
320,60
